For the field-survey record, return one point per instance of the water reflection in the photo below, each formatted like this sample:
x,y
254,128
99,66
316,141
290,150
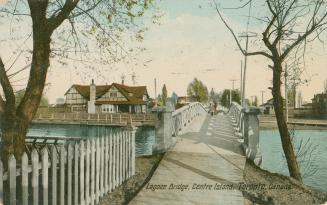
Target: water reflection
x,y
274,160
145,136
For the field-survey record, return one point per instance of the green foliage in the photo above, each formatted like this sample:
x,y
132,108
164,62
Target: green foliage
x,y
159,100
164,95
214,97
224,99
198,90
20,94
255,102
174,98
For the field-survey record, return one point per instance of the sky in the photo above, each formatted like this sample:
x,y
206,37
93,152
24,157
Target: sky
x,y
192,42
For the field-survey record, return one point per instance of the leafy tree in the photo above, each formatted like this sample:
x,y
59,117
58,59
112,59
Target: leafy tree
x,y
224,98
67,29
198,90
164,95
255,102
20,94
159,100
289,25
174,98
60,101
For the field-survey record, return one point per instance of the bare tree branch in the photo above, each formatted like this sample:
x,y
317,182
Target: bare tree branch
x,y
236,39
6,86
55,21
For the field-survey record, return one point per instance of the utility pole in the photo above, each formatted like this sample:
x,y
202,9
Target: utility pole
x,y
262,92
286,93
155,91
230,92
247,35
241,82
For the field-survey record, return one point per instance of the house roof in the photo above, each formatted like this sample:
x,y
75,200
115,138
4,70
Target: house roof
x,y
134,94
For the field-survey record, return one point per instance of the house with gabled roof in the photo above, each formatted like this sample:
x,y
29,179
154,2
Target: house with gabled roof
x,y
107,98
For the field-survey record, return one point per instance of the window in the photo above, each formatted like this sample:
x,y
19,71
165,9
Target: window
x,y
113,94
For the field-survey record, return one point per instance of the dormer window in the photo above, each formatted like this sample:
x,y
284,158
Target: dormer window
x,y
130,94
113,94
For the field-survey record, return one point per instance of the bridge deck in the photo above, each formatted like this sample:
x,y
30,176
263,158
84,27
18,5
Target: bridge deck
x,y
209,155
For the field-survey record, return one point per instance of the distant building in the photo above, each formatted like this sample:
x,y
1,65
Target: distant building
x,y
268,107
186,99
319,103
107,98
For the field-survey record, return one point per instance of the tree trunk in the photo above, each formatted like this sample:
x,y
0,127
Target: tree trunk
x,y
286,140
16,120
14,131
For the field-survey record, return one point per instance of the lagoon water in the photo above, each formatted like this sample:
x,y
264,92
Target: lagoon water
x,y
145,136
313,163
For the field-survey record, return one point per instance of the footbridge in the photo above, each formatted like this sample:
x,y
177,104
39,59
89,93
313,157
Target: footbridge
x,y
205,157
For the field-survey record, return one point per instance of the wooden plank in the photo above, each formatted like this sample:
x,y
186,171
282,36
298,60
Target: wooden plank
x,y
127,154
45,175
97,172
114,151
92,171
87,173
124,156
76,174
54,174
102,147
133,151
120,157
110,162
24,179
12,179
81,175
1,182
69,174
35,177
62,174
106,164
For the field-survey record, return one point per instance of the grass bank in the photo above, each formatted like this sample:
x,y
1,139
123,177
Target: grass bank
x,y
145,167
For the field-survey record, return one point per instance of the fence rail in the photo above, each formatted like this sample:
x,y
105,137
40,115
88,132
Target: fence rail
x,y
80,173
100,118
183,116
246,123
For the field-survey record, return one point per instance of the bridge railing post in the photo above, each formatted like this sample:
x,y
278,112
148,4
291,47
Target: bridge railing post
x,y
251,134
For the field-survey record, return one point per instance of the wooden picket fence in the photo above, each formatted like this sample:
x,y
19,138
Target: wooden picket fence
x,y
81,173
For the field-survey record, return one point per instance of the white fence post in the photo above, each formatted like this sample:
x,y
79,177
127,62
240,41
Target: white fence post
x,y
97,171
76,174
106,156
102,148
12,179
92,171
35,177
62,174
87,173
81,177
69,174
110,162
45,170
54,174
114,151
24,179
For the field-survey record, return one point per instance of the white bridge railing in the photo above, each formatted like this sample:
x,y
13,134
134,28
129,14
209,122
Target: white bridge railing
x,y
185,115
246,123
80,173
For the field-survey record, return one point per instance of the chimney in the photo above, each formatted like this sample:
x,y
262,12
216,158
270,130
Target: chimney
x,y
92,91
122,82
91,103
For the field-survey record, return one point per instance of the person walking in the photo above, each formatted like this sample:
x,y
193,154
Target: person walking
x,y
212,109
